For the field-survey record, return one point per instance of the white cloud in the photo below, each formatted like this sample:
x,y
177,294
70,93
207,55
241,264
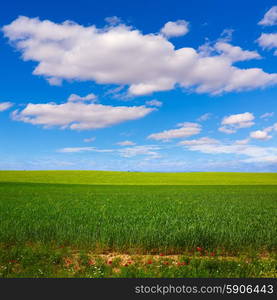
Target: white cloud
x,y
114,20
234,122
252,153
79,116
242,142
115,92
235,53
270,18
75,97
271,128
263,135
201,141
174,29
270,159
226,35
55,81
154,103
268,41
260,135
223,49
5,105
89,140
204,117
127,152
186,129
140,150
267,115
124,56
82,149
226,130
238,119
126,143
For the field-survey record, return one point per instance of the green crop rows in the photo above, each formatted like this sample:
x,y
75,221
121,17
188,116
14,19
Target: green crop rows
x,y
147,215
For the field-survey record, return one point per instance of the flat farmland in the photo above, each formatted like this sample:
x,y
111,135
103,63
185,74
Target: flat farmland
x,y
139,178
131,224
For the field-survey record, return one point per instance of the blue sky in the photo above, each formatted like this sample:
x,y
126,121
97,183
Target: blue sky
x,y
140,86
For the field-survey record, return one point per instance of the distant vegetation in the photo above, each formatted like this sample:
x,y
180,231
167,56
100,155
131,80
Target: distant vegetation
x,y
139,178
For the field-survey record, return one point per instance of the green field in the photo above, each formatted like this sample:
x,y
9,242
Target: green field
x,y
139,178
85,224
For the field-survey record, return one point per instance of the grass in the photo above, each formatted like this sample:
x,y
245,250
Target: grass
x,y
48,219
122,218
